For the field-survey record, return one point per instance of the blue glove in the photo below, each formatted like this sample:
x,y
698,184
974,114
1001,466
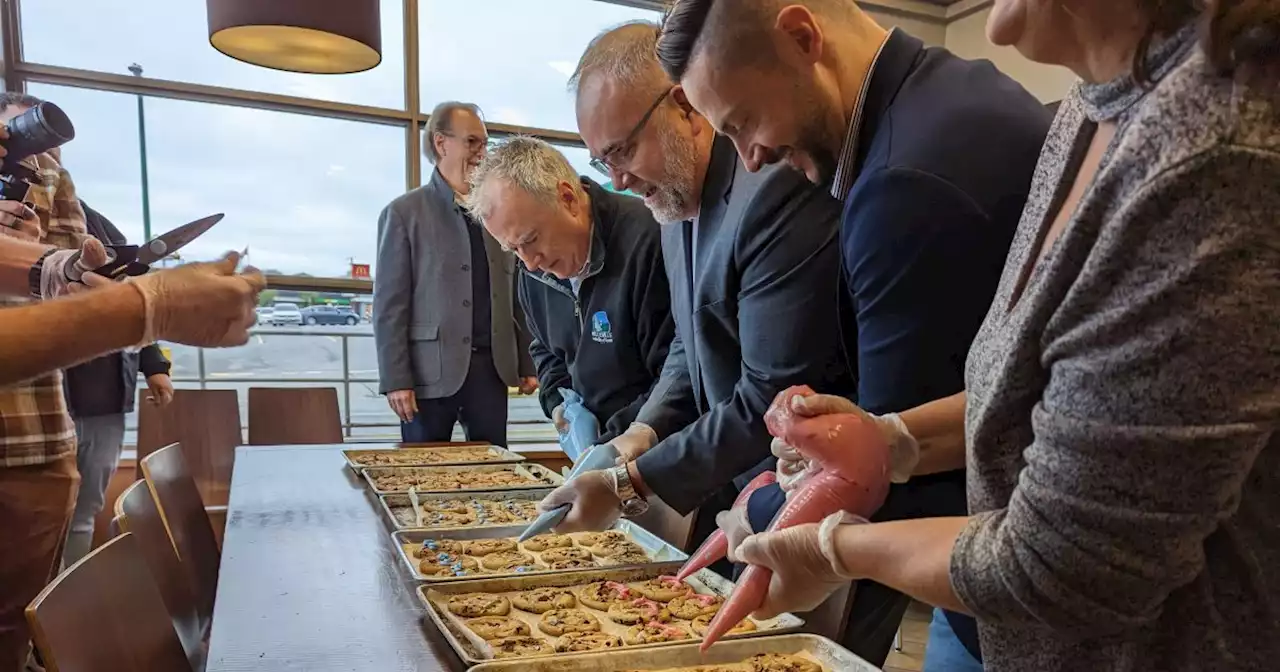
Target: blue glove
x,y
581,429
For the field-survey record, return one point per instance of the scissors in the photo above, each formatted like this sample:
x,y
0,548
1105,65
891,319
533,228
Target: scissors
x,y
137,259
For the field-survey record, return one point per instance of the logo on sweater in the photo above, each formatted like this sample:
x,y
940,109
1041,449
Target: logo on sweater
x,y
601,331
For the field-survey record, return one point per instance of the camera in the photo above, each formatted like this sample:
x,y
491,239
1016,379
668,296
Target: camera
x,y
35,131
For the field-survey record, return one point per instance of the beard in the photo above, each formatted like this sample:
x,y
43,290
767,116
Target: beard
x,y
674,200
814,137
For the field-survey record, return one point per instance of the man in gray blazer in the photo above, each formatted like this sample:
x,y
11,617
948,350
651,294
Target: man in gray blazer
x,y
752,291
448,328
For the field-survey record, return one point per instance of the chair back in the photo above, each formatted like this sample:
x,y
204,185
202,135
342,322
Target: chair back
x,y
294,415
104,614
138,514
184,517
207,425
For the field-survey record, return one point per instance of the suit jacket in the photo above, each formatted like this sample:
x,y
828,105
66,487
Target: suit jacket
x,y
754,293
422,297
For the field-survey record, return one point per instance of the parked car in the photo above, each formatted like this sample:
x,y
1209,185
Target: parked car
x,y
264,314
285,314
329,315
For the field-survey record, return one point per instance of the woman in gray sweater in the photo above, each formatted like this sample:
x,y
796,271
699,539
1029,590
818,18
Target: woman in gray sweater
x,y
1120,420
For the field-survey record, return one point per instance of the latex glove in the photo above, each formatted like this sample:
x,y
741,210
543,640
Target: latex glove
x,y
161,387
528,385
18,220
806,569
557,419
404,403
203,304
68,271
736,527
593,500
793,469
634,442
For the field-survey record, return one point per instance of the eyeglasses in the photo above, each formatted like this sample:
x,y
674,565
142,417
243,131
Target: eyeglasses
x,y
473,143
610,158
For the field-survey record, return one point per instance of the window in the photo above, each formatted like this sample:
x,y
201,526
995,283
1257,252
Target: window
x,y
511,57
170,40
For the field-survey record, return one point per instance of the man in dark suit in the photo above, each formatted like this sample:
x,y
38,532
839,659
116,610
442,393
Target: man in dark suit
x,y
448,327
932,156
753,263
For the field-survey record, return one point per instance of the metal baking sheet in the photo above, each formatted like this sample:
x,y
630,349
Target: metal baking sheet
x,y
434,456
472,650
396,507
538,476
658,550
831,656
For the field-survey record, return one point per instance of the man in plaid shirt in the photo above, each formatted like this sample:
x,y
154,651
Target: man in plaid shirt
x,y
38,477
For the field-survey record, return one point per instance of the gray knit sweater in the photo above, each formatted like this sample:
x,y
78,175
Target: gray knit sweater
x,y
1124,461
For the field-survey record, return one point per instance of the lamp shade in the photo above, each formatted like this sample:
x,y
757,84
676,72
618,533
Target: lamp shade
x,y
316,36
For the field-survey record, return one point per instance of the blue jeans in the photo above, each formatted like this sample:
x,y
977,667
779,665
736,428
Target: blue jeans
x,y
945,653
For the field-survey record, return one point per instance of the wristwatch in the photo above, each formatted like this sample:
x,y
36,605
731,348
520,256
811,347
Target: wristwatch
x,y
632,503
35,276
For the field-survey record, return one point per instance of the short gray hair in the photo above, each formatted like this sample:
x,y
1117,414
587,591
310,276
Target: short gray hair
x,y
627,54
441,121
528,163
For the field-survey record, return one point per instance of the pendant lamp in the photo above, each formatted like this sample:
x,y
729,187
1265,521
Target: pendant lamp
x,y
313,36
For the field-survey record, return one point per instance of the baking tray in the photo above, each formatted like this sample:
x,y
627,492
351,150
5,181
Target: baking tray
x,y
436,456
395,507
539,477
832,656
406,541
472,650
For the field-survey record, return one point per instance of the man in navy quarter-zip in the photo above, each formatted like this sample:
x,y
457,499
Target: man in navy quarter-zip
x,y
592,281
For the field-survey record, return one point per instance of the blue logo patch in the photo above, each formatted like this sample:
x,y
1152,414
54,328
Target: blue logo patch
x,y
601,331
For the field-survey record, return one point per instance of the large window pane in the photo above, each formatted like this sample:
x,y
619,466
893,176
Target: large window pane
x,y
170,39
512,57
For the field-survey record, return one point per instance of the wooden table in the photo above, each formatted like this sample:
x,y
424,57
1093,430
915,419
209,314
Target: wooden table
x,y
310,579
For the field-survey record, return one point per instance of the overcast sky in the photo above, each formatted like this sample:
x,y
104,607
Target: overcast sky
x,y
302,193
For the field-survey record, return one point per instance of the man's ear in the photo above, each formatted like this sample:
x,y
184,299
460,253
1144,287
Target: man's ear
x,y
687,111
568,197
437,141
799,35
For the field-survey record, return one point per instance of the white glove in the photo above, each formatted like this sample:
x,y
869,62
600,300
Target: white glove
x,y
794,469
68,271
736,526
806,568
634,442
593,501
208,305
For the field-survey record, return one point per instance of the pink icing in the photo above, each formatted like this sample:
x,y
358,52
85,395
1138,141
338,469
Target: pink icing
x,y
704,600
620,588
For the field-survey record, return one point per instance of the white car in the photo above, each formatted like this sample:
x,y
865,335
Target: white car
x,y
264,314
285,314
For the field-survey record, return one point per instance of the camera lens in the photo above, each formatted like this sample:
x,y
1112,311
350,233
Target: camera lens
x,y
37,130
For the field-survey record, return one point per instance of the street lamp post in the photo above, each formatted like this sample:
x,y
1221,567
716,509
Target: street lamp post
x,y
142,152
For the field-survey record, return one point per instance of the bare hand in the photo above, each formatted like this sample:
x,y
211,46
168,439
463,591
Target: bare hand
x,y
404,403
203,304
528,385
161,387
18,220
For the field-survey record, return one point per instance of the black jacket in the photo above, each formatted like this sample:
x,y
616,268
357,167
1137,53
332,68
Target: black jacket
x,y
107,385
608,343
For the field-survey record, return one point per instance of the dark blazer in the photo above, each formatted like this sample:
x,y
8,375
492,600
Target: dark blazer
x,y
108,385
753,290
422,297
609,342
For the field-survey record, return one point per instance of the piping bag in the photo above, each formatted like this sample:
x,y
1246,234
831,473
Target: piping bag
x,y
854,457
717,545
583,428
602,456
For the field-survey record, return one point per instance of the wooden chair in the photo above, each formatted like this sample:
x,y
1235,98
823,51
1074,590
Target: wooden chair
x,y
104,614
184,517
207,425
294,415
139,516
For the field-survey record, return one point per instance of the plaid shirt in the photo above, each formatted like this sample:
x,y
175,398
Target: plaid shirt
x,y
34,425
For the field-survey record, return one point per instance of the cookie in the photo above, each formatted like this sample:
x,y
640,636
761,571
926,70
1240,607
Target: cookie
x,y
777,662
509,560
655,633
447,506
641,610
587,641
448,519
445,564
542,600
542,542
606,549
498,627
573,563
483,547
693,605
600,594
476,605
639,558
516,647
593,538
559,621
744,626
558,554
663,588
436,546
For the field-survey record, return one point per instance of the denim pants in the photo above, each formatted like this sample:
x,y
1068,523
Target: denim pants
x,y
945,653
